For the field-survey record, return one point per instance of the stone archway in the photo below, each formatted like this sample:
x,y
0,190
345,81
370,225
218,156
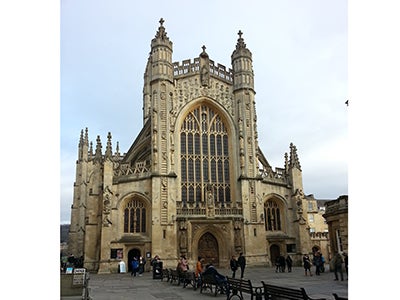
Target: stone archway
x,y
208,249
315,249
274,251
131,254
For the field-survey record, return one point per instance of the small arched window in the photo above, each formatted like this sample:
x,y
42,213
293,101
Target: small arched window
x,y
135,217
272,214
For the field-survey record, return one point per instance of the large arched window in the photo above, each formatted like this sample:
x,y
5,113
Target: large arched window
x,y
204,156
272,214
135,217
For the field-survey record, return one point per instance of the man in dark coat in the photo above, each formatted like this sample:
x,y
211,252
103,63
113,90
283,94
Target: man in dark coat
x,y
242,264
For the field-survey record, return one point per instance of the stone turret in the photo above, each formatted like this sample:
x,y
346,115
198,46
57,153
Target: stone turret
x,y
242,64
244,95
158,69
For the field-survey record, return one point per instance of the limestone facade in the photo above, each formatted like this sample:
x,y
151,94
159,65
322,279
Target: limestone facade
x,y
336,215
194,181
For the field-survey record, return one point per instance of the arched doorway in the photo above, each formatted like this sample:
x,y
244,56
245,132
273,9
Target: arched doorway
x,y
274,251
131,254
208,249
316,249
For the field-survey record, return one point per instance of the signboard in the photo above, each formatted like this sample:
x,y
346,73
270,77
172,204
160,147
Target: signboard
x,y
79,276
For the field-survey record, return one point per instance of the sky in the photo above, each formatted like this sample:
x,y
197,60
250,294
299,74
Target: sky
x,y
59,59
299,58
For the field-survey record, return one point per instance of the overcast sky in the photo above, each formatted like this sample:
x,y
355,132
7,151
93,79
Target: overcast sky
x,y
300,64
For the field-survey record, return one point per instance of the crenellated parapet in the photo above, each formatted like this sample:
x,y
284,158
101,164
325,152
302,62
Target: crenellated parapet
x,y
187,67
277,176
125,172
319,235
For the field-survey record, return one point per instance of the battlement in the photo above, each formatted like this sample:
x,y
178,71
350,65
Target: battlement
x,y
216,70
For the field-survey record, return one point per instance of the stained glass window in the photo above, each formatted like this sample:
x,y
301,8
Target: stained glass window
x,y
135,217
204,156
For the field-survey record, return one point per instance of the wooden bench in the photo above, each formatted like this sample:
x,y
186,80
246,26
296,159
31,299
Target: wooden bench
x,y
208,282
165,275
174,276
339,298
189,278
239,286
279,292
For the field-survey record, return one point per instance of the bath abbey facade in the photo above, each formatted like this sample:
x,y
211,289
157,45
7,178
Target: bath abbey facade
x,y
194,181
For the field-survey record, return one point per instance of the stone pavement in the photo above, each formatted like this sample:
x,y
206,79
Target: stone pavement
x,y
124,286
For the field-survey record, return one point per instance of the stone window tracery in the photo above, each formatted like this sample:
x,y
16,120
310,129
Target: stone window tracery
x,y
273,216
135,217
204,156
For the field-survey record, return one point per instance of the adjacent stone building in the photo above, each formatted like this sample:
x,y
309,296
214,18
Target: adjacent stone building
x,y
194,181
336,215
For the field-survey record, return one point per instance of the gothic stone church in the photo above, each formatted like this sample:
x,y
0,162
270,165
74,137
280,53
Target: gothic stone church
x,y
194,181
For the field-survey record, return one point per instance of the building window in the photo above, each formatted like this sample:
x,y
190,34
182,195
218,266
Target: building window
x,y
312,229
310,206
311,218
204,157
272,216
339,241
135,217
116,254
291,248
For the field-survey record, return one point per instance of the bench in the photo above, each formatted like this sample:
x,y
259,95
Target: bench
x,y
165,274
189,278
208,281
174,276
279,292
239,286
339,298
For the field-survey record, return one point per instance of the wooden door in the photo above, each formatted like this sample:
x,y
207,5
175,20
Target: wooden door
x,y
208,249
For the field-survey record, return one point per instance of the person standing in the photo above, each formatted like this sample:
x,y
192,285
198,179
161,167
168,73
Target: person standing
x,y
142,262
277,264
317,263
322,263
346,261
199,270
135,266
337,261
234,265
289,263
242,264
307,264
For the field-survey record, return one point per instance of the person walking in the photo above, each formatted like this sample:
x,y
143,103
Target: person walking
x,y
337,262
289,263
282,263
234,265
242,264
307,264
135,266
